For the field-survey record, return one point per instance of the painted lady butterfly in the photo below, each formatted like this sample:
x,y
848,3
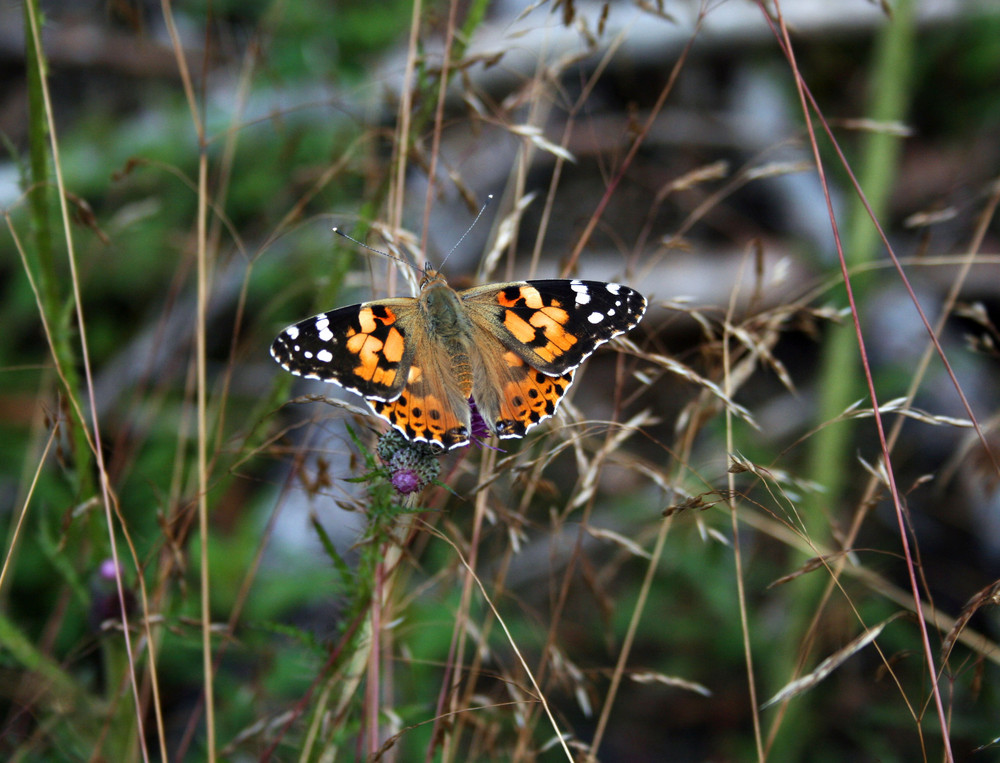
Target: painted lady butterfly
x,y
510,347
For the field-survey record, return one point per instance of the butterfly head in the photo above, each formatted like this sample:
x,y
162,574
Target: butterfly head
x,y
430,276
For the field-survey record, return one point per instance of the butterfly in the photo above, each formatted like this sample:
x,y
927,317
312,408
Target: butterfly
x,y
418,362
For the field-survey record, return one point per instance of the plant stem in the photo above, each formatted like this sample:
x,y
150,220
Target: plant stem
x,y
40,255
831,452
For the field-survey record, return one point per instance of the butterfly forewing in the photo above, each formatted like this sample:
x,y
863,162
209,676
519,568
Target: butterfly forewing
x,y
555,324
363,348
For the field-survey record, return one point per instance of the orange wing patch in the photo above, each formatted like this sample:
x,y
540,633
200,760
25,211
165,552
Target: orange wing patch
x,y
520,295
527,396
544,332
537,322
377,345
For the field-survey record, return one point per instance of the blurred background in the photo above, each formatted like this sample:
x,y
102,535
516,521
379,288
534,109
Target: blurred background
x,y
707,520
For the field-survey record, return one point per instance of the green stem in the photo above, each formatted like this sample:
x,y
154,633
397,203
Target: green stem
x,y
40,254
840,382
831,453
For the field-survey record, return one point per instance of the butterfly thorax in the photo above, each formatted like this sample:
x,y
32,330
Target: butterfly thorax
x,y
449,326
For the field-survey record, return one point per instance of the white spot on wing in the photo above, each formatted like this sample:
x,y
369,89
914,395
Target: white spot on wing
x,y
292,332
614,288
324,356
323,329
595,318
582,292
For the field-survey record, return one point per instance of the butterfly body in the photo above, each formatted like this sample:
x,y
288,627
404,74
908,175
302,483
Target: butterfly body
x,y
511,347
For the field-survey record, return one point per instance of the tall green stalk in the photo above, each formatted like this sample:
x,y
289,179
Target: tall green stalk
x,y
57,311
840,382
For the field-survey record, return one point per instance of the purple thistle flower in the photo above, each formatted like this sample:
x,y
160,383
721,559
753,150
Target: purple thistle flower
x,y
406,481
411,465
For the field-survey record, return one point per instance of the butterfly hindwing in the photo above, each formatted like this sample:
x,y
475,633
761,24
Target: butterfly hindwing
x,y
511,395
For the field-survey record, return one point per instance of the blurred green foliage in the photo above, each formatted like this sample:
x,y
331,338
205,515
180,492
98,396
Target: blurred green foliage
x,y
135,166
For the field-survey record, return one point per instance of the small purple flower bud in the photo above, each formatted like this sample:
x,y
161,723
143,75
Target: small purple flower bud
x,y
406,481
104,602
107,569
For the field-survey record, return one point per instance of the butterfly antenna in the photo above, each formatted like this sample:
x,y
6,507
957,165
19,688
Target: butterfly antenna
x,y
468,230
363,245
